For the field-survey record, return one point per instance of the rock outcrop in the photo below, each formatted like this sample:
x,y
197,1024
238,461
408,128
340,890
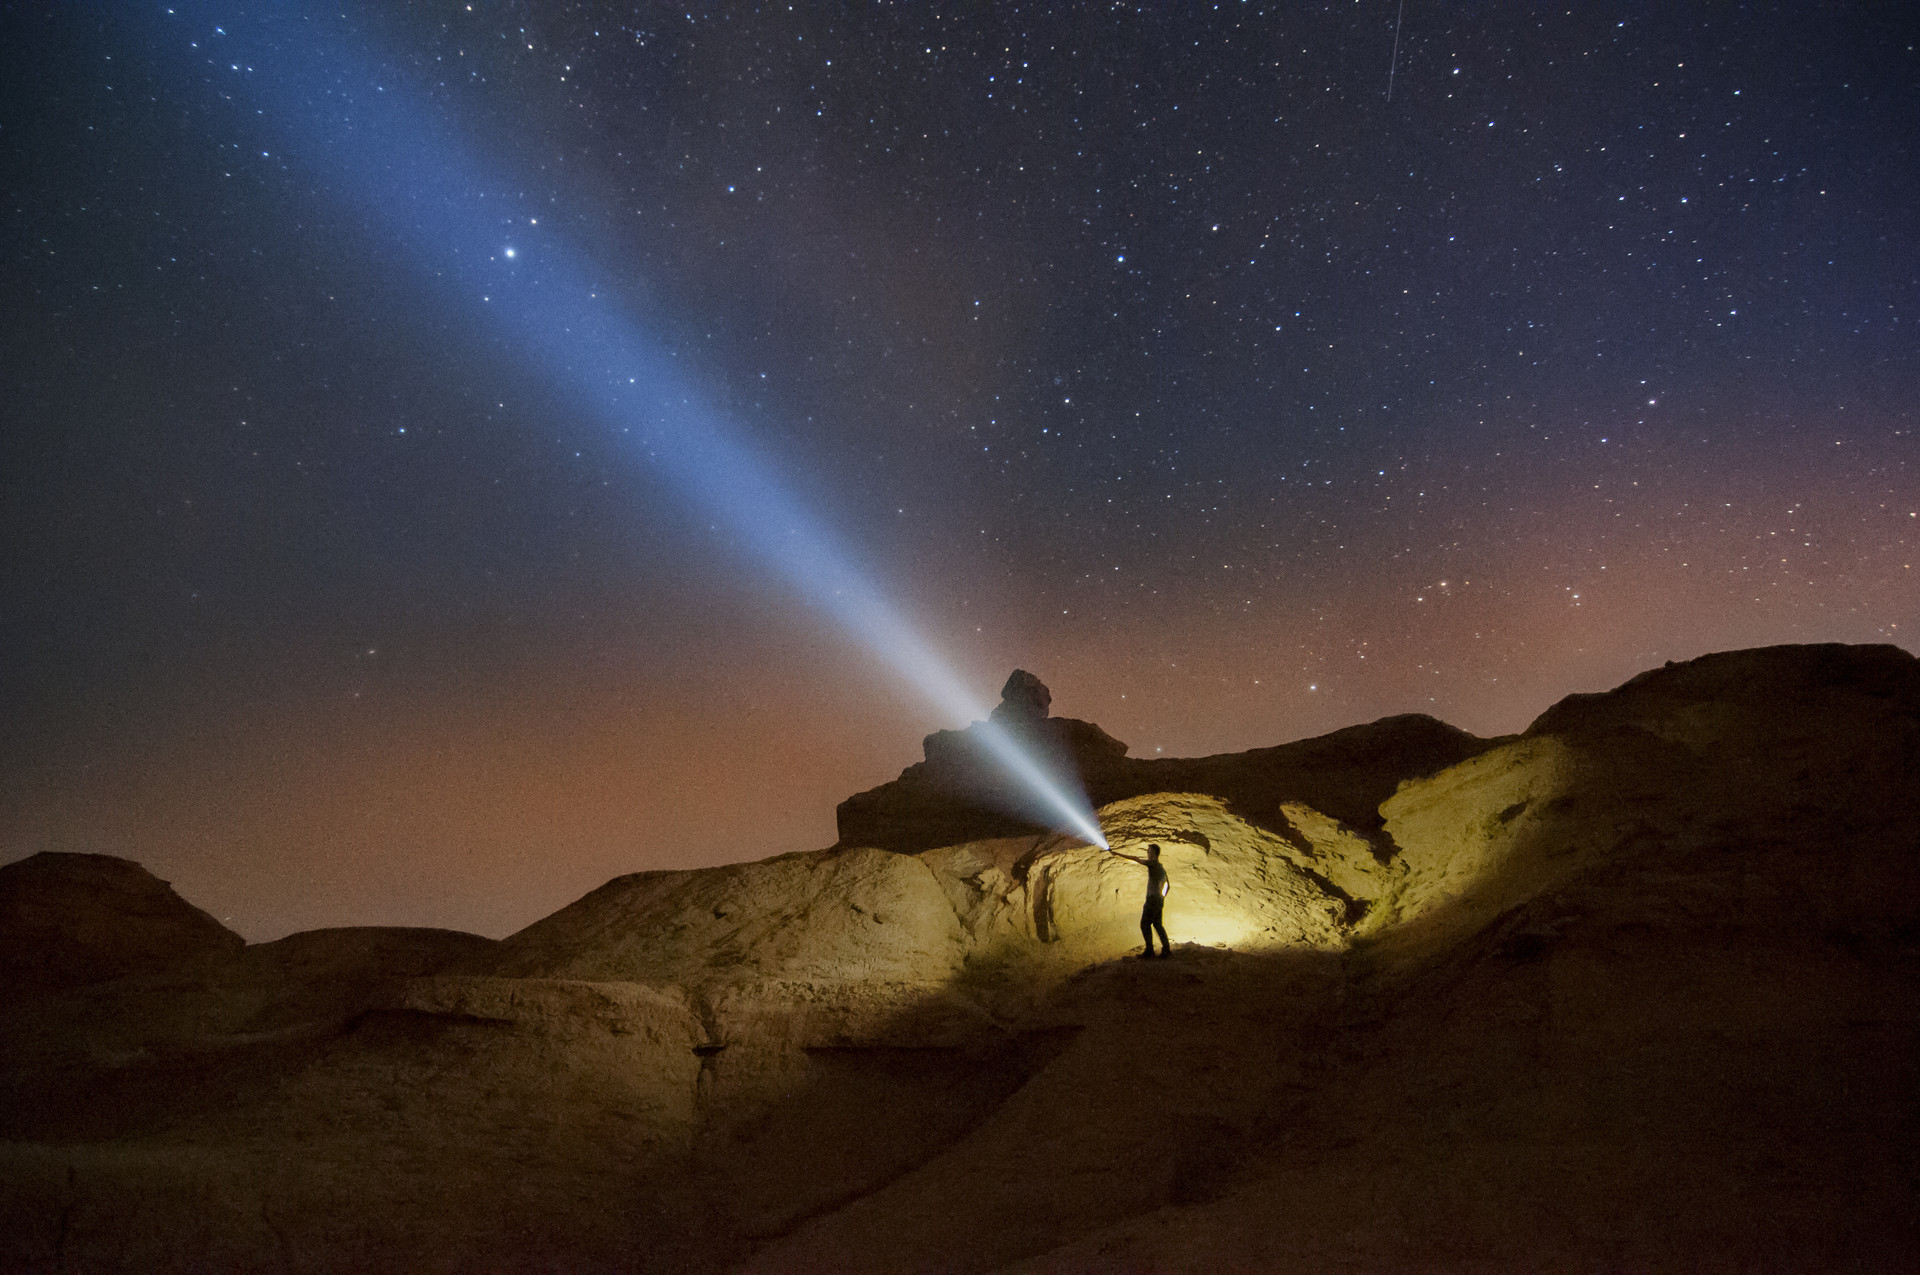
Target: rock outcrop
x,y
1024,700
960,793
1638,989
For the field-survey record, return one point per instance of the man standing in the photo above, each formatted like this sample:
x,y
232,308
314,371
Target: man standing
x,y
1156,900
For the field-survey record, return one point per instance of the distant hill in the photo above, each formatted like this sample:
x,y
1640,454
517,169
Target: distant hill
x,y
1636,989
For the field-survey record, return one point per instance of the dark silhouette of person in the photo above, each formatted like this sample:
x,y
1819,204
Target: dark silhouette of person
x,y
1150,921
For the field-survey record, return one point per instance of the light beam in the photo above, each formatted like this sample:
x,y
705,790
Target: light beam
x,y
370,138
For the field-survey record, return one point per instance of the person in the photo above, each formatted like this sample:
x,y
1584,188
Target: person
x,y
1150,915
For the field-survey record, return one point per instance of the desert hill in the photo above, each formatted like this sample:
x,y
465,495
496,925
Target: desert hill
x,y
1634,989
71,919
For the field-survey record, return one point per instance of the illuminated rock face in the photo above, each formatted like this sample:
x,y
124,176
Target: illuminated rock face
x,y
1634,989
836,915
856,944
1800,758
1048,906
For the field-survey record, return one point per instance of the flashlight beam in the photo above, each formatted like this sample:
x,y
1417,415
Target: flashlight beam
x,y
368,136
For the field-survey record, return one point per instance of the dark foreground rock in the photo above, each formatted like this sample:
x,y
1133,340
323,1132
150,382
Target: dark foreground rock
x,y
1637,990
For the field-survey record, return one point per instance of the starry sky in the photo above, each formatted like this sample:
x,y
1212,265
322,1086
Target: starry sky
x,y
1244,371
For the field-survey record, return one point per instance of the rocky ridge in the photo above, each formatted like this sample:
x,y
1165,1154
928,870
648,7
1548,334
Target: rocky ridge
x,y
959,793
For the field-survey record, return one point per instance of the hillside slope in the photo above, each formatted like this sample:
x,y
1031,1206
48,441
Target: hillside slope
x,y
1634,989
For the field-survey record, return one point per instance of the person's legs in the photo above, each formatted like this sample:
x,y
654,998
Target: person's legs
x,y
1149,922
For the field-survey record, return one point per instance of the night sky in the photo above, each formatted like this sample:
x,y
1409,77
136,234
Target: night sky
x,y
1154,349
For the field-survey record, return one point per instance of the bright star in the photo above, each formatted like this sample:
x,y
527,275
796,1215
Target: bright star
x,y
510,254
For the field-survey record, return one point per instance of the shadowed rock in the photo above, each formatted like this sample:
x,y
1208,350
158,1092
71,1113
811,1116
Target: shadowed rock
x,y
1717,699
960,793
71,919
1023,700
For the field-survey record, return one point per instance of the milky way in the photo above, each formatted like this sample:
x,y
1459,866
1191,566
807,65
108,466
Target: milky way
x,y
1159,353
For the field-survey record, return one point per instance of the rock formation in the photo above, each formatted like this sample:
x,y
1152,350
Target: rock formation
x,y
1637,989
959,793
1024,700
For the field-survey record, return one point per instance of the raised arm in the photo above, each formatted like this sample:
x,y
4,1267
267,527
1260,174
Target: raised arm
x,y
1131,857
